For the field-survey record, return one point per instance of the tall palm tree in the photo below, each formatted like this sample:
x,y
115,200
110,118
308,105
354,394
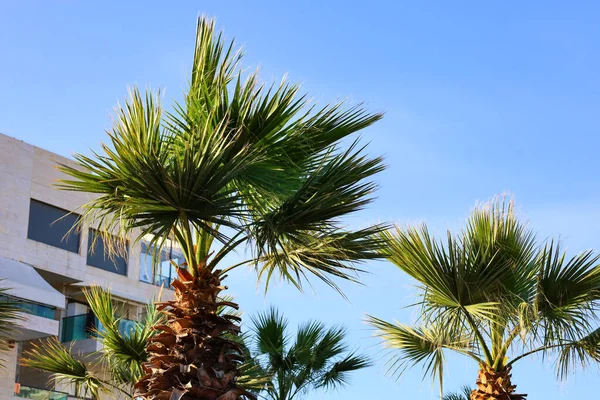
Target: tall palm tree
x,y
318,358
496,294
248,165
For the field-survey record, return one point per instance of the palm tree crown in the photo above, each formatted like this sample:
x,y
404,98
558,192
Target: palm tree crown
x,y
318,358
496,295
235,154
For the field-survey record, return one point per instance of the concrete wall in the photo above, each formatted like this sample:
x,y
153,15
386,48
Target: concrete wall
x,y
32,327
7,376
28,172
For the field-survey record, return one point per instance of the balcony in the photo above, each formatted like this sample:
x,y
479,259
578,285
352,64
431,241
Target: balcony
x,y
29,392
31,308
81,330
159,268
38,319
84,326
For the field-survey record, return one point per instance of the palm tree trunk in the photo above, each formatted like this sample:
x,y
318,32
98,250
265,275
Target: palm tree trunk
x,y
495,385
193,358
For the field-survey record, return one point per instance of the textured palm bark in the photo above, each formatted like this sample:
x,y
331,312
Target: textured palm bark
x,y
192,358
495,385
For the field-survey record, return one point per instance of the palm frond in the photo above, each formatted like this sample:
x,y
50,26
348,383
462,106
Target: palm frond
x,y
453,277
579,353
494,285
338,375
253,375
328,255
270,335
423,345
53,357
331,344
495,233
567,293
124,352
336,188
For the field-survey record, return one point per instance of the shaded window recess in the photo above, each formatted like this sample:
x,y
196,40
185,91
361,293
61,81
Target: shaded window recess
x,y
53,226
98,255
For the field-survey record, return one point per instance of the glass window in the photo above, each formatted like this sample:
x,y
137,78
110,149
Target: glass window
x,y
160,269
53,226
86,326
98,256
146,264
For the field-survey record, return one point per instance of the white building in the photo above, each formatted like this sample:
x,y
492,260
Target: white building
x,y
46,271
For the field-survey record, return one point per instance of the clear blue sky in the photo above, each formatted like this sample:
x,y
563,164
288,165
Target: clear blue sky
x,y
479,99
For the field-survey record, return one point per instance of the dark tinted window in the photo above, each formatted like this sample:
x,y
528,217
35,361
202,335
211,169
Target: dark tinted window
x,y
98,256
50,225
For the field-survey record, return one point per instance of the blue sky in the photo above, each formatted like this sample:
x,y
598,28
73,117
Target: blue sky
x,y
480,98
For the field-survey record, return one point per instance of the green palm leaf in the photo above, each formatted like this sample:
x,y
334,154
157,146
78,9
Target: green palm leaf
x,y
122,352
53,357
423,345
566,292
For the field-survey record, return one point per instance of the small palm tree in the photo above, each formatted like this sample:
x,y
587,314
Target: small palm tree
x,y
495,294
245,165
317,359
120,364
116,368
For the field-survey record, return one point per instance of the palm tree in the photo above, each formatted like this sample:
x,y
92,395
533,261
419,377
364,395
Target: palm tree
x,y
247,165
116,368
119,365
464,394
317,359
495,294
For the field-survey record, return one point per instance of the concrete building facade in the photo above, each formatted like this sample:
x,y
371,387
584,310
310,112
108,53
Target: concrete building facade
x,y
46,270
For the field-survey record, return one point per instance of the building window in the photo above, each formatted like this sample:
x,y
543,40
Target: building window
x,y
53,226
99,257
160,268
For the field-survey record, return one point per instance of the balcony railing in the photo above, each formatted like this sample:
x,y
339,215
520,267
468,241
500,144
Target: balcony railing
x,y
29,392
84,326
31,308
